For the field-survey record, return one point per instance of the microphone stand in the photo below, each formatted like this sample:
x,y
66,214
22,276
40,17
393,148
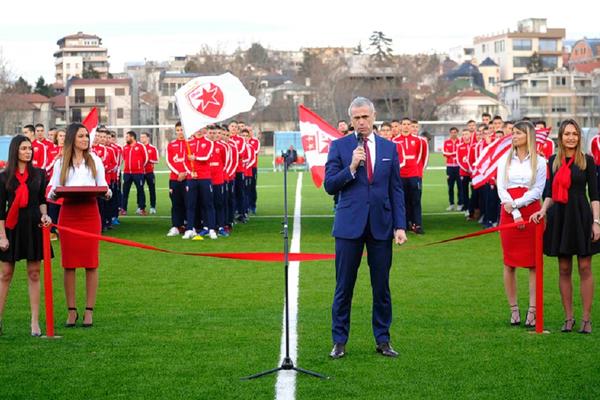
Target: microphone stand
x,y
287,364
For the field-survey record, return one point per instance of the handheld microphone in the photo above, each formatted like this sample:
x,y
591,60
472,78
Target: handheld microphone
x,y
361,142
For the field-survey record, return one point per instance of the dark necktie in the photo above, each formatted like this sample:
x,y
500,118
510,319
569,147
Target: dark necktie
x,y
369,163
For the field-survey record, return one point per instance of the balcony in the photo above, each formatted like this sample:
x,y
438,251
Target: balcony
x,y
87,100
532,111
587,110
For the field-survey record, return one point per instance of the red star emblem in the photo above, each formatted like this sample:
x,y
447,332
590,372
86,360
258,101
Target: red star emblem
x,y
207,99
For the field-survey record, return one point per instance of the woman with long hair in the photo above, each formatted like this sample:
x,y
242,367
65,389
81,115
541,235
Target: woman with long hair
x,y
521,179
22,209
573,224
79,167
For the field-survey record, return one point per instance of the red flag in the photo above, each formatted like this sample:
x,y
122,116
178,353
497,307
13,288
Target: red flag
x,y
91,123
316,139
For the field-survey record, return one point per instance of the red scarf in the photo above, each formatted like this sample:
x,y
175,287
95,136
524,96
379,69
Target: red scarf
x,y
562,182
21,199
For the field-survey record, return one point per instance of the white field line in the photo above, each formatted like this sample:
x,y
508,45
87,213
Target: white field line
x,y
285,387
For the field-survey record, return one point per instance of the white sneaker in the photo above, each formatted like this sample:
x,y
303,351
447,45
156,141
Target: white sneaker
x,y
459,207
450,207
212,234
467,213
189,234
173,232
153,211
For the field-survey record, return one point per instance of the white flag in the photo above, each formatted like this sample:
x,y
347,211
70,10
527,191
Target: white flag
x,y
210,99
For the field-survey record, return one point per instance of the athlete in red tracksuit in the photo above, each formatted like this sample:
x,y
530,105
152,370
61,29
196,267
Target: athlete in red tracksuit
x,y
135,158
254,143
233,159
217,162
200,210
595,151
463,154
453,170
149,177
411,173
176,162
241,204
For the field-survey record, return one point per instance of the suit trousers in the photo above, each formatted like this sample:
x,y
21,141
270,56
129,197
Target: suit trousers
x,y
348,255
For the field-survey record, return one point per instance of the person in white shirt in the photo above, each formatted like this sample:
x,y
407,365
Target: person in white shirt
x,y
521,179
79,167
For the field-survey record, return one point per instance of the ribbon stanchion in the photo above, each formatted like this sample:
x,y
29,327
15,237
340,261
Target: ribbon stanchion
x,y
48,293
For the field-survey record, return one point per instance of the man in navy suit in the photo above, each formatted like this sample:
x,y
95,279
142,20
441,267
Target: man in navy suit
x,y
364,170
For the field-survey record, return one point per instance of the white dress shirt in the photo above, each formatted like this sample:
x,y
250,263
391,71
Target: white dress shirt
x,y
371,145
519,175
81,175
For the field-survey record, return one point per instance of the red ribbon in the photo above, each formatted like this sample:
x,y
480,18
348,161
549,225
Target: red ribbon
x,y
268,257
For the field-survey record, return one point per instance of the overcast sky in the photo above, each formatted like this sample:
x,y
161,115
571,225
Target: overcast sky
x,y
158,30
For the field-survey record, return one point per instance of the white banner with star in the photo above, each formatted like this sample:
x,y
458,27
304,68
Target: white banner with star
x,y
210,99
317,135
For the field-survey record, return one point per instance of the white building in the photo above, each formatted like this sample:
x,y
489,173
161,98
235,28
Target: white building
x,y
112,98
470,104
512,50
553,97
77,54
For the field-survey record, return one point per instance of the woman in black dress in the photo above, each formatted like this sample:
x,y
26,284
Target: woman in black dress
x,y
573,226
22,208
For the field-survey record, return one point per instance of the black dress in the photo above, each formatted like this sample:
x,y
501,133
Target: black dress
x,y
569,226
25,240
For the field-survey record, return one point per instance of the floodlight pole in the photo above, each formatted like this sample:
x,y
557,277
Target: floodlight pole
x,y
287,364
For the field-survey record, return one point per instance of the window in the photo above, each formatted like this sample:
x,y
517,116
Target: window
x,y
100,98
120,92
560,104
499,46
549,62
522,44
560,81
79,96
120,113
492,81
172,111
68,66
483,48
521,62
548,45
76,115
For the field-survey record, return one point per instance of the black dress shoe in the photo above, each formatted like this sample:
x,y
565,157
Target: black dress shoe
x,y
386,350
338,351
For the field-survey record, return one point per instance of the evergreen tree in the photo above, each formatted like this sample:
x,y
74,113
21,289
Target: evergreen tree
x,y
358,50
42,88
535,63
382,47
21,86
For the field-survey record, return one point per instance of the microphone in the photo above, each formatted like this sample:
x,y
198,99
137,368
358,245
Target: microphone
x,y
361,142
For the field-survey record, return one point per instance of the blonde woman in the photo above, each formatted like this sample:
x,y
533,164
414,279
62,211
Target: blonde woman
x,y
521,179
79,167
573,224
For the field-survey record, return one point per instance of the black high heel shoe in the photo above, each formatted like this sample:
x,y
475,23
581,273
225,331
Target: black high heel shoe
x,y
514,310
586,327
72,325
530,323
568,325
91,323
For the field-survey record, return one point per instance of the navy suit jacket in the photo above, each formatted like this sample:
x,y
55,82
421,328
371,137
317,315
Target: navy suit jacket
x,y
380,203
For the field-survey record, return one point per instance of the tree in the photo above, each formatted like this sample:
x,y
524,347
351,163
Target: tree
x,y
42,88
90,73
358,50
382,47
257,55
535,63
20,86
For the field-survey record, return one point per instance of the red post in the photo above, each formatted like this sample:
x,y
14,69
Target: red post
x,y
539,277
48,283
